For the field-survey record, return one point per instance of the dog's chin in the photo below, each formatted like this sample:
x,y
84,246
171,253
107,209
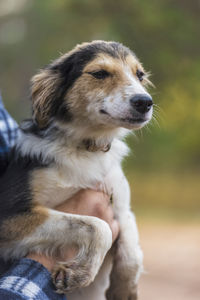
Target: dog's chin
x,y
129,123
133,123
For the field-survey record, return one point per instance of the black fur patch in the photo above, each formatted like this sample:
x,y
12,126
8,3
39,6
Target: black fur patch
x,y
30,126
15,193
49,133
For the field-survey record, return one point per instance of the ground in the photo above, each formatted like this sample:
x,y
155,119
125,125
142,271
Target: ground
x,y
171,260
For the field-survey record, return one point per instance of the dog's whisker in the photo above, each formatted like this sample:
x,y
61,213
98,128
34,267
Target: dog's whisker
x,y
155,122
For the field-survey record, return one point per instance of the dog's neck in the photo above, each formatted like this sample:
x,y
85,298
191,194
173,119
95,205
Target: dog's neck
x,y
53,143
91,140
92,146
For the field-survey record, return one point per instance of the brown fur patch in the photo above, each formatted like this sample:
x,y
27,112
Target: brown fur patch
x,y
46,184
19,227
44,85
136,65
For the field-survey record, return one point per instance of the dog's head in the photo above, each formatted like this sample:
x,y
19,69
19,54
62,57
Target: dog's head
x,y
96,84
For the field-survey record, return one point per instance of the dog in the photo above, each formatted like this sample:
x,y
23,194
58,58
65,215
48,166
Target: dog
x,y
83,105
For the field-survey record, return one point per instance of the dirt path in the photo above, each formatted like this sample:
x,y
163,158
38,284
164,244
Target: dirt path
x,y
172,261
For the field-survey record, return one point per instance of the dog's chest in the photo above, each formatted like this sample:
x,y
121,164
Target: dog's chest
x,y
54,185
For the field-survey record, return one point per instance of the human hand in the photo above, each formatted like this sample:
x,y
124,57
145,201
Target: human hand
x,y
85,202
92,203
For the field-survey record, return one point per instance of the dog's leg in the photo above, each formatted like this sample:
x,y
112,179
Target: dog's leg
x,y
127,264
96,290
51,232
127,253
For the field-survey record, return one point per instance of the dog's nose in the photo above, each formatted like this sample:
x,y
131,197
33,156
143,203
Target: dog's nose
x,y
142,103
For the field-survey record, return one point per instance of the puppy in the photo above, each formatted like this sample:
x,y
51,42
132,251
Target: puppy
x,y
84,104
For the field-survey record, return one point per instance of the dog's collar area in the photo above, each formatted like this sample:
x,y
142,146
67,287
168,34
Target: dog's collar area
x,y
91,146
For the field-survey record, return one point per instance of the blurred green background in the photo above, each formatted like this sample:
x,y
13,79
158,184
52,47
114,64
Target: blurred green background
x,y
164,167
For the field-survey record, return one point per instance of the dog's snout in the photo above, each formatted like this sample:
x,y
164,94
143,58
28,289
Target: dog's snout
x,y
141,103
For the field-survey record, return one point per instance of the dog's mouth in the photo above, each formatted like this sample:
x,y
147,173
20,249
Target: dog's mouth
x,y
134,120
133,123
137,122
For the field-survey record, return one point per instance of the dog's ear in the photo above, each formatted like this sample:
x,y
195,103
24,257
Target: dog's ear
x,y
43,93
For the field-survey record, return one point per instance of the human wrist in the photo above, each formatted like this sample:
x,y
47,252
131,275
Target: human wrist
x,y
47,262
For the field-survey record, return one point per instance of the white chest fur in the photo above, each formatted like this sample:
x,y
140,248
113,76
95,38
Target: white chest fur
x,y
75,169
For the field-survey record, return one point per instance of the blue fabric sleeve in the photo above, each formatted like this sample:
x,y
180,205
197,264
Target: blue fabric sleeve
x,y
8,135
28,280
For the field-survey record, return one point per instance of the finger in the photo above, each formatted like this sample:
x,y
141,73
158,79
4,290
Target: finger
x,y
108,215
115,230
106,198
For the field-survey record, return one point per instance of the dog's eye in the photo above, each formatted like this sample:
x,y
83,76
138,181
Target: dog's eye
x,y
100,74
140,75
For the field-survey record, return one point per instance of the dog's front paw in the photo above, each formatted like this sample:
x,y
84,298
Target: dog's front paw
x,y
69,276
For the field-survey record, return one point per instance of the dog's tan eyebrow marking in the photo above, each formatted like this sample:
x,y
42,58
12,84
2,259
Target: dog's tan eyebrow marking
x,y
101,62
133,63
135,66
106,61
112,65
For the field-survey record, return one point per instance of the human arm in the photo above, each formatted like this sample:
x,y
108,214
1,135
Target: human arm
x,y
8,135
28,279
